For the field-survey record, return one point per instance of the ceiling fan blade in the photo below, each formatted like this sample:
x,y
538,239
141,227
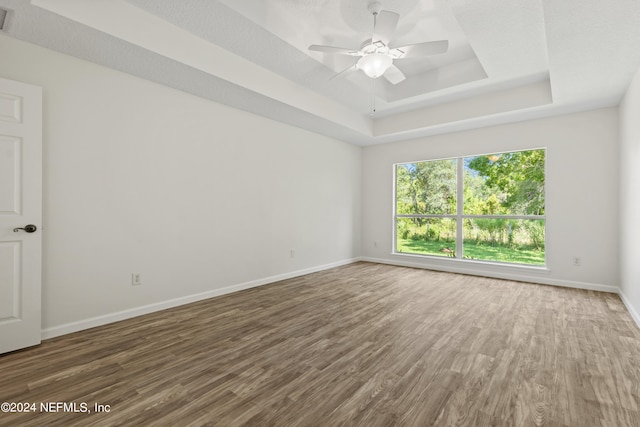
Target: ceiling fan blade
x,y
385,27
420,49
394,75
344,73
333,49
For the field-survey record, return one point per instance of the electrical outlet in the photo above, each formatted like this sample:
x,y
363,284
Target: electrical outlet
x,y
136,279
577,261
292,253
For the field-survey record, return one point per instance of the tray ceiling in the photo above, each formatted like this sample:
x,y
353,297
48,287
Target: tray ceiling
x,y
507,61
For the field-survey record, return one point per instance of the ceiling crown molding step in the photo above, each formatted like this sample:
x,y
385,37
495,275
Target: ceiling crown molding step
x,y
523,60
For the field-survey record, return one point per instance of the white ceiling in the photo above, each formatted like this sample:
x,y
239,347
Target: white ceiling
x,y
508,60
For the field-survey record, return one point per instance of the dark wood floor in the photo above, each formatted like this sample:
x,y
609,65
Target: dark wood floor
x,y
363,344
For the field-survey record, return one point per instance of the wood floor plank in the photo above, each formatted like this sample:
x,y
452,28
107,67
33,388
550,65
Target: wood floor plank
x,y
359,345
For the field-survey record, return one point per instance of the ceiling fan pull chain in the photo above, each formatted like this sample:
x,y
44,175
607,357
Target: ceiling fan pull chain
x,y
373,32
373,96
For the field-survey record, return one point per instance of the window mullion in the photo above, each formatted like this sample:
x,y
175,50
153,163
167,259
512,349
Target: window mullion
x,y
459,206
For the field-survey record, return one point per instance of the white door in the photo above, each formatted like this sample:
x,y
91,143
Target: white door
x,y
20,205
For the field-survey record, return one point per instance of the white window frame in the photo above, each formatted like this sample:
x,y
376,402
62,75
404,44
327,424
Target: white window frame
x,y
460,216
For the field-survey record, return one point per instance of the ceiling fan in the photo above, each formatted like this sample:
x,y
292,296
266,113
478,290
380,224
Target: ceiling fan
x,y
376,56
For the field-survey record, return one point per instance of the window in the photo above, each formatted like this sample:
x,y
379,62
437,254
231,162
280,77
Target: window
x,y
487,207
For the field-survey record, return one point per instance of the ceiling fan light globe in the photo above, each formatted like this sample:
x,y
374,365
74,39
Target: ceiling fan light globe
x,y
375,64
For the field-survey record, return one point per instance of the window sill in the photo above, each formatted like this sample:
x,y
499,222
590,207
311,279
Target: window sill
x,y
475,262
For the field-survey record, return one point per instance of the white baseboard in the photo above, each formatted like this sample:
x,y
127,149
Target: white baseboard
x,y
500,275
521,278
67,328
630,308
93,322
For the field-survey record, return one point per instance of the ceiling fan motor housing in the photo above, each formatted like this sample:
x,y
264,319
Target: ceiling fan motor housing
x,y
375,7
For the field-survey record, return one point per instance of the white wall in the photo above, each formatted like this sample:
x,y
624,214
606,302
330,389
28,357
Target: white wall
x,y
582,195
199,197
630,198
193,195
